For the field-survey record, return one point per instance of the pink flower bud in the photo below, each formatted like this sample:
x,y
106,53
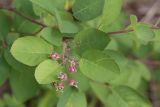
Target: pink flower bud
x,y
72,62
73,83
59,86
63,76
54,56
72,69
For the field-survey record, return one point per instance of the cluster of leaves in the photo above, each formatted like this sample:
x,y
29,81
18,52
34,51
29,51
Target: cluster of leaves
x,y
102,69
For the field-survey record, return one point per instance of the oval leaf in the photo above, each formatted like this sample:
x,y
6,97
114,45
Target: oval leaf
x,y
91,39
47,71
98,66
85,10
111,11
23,85
4,70
144,33
123,95
51,35
72,99
31,50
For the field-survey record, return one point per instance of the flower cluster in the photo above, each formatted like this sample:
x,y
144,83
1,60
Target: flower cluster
x,y
62,76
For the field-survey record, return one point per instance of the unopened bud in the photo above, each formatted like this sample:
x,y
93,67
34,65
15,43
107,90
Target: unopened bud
x,y
73,83
54,56
72,69
72,62
63,76
59,86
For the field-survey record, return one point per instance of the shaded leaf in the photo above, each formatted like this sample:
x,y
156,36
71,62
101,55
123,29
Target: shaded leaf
x,y
23,85
98,66
85,10
51,35
124,96
144,33
91,39
4,71
72,99
111,11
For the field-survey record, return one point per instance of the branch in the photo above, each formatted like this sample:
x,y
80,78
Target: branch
x,y
64,51
4,44
125,31
43,25
119,32
26,17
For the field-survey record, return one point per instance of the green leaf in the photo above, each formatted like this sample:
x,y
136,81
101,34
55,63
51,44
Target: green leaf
x,y
113,45
134,69
4,71
49,99
11,38
25,7
117,56
15,64
128,75
134,20
51,35
31,50
22,25
111,11
126,41
83,81
91,39
85,10
124,96
144,70
47,71
144,33
11,101
98,66
66,26
156,42
23,85
49,5
72,99
157,35
50,20
4,25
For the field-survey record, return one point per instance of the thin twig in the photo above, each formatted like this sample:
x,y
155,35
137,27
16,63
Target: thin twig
x,y
119,32
125,31
64,51
4,44
26,17
43,25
